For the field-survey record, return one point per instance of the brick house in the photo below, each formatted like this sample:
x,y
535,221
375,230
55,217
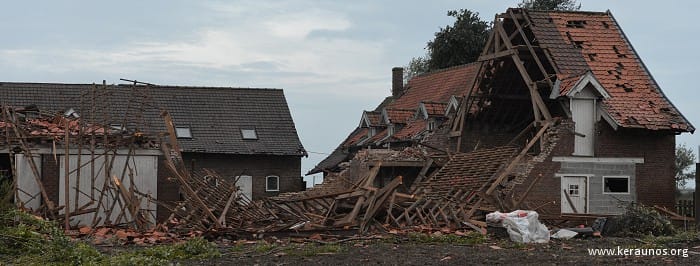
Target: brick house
x,y
238,132
566,88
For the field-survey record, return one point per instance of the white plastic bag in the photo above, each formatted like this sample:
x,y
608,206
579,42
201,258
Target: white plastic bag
x,y
522,226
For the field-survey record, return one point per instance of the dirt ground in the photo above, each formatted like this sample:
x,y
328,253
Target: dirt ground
x,y
397,251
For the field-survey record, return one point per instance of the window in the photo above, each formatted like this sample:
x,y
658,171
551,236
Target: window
x,y
249,134
372,132
616,185
273,183
573,190
117,127
391,130
183,133
431,125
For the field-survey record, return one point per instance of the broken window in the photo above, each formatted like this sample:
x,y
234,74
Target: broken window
x,y
249,134
71,113
183,133
616,184
272,183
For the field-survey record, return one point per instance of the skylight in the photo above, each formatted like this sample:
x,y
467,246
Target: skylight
x,y
183,132
249,134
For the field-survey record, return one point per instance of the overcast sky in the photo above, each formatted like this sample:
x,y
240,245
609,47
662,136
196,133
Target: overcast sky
x,y
332,58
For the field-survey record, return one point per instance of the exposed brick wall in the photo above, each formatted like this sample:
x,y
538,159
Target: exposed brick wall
x,y
547,194
50,176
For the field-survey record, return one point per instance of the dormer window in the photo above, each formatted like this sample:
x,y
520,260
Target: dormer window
x,y
183,133
249,134
431,125
372,131
391,130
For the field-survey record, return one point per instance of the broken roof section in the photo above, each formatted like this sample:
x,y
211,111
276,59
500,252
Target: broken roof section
x,y
579,42
214,115
426,96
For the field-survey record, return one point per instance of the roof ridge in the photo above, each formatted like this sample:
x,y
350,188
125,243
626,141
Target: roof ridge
x,y
126,84
567,11
447,69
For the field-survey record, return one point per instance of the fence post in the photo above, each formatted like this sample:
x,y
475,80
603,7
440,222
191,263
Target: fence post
x,y
697,196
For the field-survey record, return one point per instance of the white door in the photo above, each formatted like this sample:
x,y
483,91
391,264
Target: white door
x,y
583,114
28,190
574,194
245,184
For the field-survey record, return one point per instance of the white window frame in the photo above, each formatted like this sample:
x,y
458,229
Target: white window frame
x,y
629,185
390,130
267,183
178,131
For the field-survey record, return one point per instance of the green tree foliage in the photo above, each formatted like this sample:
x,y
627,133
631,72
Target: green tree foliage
x,y
570,5
415,67
460,43
685,158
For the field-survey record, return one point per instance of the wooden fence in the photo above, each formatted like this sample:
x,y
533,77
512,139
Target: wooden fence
x,y
686,207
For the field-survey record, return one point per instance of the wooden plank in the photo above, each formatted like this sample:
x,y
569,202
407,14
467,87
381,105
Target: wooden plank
x,y
568,199
496,55
426,166
517,159
532,50
222,217
524,195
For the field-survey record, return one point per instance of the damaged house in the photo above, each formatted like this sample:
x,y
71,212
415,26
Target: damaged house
x,y
243,134
559,115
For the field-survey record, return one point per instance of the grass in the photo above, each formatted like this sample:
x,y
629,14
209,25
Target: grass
x,y
471,238
26,240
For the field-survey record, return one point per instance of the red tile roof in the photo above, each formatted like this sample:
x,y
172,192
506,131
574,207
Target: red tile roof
x,y
400,116
434,108
437,86
356,137
411,130
381,135
582,41
375,118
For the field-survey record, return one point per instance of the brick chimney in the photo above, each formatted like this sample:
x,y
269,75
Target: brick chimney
x,y
396,81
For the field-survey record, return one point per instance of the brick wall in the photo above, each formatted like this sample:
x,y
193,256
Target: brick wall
x,y
654,178
50,176
288,168
655,181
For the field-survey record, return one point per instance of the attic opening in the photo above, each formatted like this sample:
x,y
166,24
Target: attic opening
x,y
575,23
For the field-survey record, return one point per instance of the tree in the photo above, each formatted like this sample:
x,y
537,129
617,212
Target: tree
x,y
570,5
460,43
685,158
415,67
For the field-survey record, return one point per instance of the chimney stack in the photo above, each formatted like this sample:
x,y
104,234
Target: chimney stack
x,y
396,81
